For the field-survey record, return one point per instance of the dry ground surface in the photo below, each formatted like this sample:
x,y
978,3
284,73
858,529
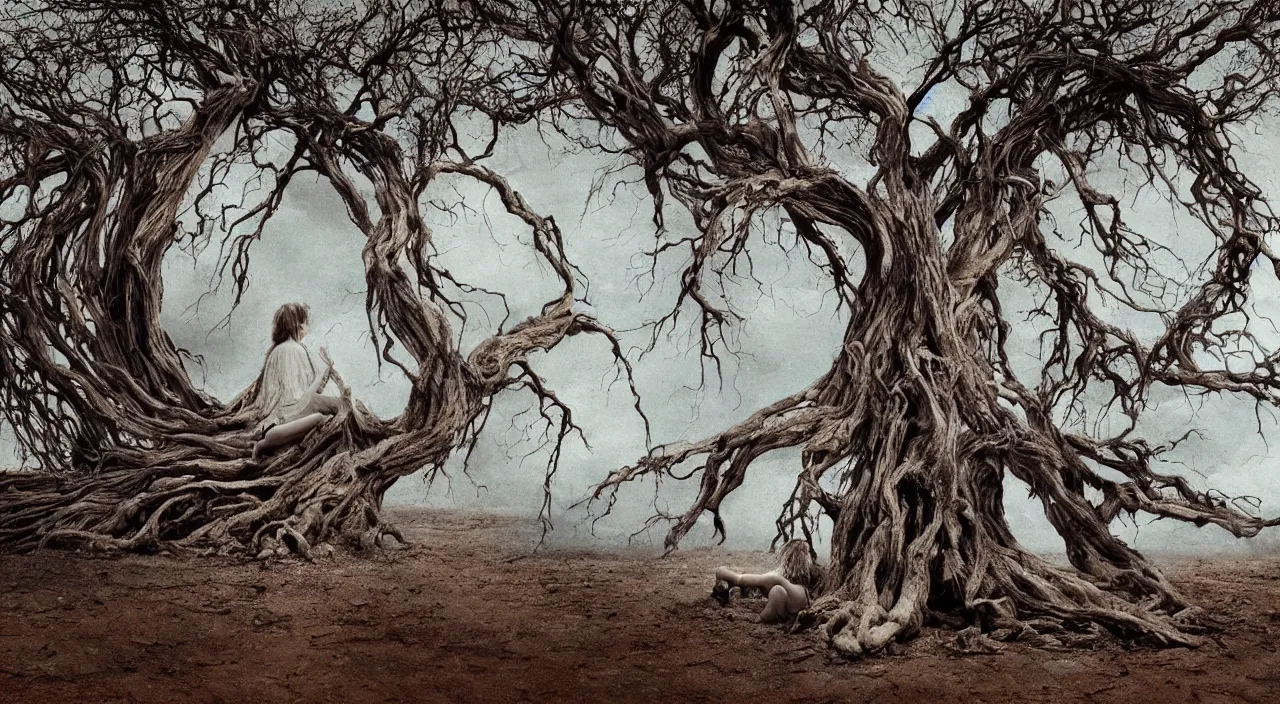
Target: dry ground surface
x,y
468,613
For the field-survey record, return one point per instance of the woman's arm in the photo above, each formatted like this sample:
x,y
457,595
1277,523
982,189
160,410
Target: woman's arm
x,y
759,581
727,575
765,581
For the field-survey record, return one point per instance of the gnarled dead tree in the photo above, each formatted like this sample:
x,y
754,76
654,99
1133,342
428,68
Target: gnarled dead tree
x,y
742,109
109,117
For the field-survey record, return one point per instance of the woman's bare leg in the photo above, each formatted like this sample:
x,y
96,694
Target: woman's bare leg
x,y
288,433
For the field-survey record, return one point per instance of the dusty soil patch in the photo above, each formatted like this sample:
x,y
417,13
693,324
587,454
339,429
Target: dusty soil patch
x,y
468,614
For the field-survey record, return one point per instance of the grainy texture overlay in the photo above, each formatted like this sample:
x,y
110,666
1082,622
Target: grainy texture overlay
x,y
469,615
129,126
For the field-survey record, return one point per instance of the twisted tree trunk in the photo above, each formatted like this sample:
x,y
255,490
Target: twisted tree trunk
x,y
127,453
743,108
918,522
180,477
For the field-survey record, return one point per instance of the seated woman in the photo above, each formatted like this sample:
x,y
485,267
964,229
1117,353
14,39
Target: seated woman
x,y
787,587
289,395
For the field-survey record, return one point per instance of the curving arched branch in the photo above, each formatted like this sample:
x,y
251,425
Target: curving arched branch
x,y
110,126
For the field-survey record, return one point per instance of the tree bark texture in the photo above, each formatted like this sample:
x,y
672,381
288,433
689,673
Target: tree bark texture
x,y
126,453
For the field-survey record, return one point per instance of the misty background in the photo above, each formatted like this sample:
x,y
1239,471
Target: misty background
x,y
310,252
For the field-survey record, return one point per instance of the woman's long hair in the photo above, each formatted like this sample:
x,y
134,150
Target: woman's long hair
x,y
287,323
797,565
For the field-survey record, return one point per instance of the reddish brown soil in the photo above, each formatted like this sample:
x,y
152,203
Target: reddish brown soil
x,y
468,614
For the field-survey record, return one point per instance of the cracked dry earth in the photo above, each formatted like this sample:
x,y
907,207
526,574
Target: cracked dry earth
x,y
469,614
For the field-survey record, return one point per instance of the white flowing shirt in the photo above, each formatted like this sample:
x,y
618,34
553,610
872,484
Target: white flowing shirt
x,y
287,381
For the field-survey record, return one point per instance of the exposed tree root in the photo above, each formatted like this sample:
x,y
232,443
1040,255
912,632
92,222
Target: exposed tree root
x,y
751,112
918,522
312,493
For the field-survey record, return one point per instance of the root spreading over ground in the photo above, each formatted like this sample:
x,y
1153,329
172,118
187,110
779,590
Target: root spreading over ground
x,y
126,453
126,121
754,115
